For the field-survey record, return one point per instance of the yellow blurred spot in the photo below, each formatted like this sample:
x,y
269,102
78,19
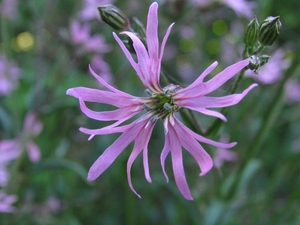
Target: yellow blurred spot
x,y
24,41
186,45
220,27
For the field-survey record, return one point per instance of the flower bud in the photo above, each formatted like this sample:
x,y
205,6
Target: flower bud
x,y
269,30
139,28
251,32
114,17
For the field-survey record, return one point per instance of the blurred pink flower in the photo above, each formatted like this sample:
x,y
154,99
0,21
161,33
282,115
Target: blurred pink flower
x,y
273,70
292,91
9,150
9,76
81,35
224,155
32,128
8,8
90,9
6,201
240,7
162,104
102,68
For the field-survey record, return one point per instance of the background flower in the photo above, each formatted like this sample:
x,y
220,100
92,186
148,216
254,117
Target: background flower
x,y
9,76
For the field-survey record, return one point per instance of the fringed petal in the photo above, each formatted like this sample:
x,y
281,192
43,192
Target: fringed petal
x,y
177,164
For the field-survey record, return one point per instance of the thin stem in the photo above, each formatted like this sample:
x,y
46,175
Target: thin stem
x,y
5,37
269,119
11,185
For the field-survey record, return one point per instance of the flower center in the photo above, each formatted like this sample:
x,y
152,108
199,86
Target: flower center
x,y
161,104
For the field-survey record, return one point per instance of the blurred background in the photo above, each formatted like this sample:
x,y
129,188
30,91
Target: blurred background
x,y
45,49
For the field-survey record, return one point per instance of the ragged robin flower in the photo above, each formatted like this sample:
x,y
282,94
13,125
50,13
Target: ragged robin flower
x,y
161,104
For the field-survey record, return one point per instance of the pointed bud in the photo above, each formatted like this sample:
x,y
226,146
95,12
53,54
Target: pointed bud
x,y
269,30
251,33
114,17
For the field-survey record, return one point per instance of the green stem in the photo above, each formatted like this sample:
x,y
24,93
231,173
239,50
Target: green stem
x,y
12,186
269,119
5,37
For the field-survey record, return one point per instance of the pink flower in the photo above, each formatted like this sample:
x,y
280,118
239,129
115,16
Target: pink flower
x,y
9,150
81,35
8,8
292,91
222,155
9,76
80,32
162,103
102,68
240,7
90,10
32,128
6,201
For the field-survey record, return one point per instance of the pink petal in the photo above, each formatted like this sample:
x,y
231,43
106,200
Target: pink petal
x,y
99,96
151,32
164,154
135,152
126,112
142,57
33,151
198,103
225,75
6,201
162,48
130,133
195,149
104,83
110,154
188,91
185,130
213,113
140,122
110,129
141,143
9,150
177,164
128,55
198,88
32,125
145,152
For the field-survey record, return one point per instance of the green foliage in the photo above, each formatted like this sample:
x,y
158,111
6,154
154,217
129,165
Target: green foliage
x,y
261,187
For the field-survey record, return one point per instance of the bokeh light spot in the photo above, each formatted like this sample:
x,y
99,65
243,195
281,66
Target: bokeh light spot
x,y
220,27
25,41
212,46
186,45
